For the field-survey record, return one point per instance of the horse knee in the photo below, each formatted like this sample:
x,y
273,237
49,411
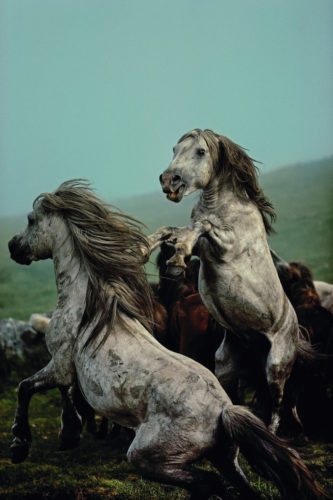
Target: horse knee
x,y
276,375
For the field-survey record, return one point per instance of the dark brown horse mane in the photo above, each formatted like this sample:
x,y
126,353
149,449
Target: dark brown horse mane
x,y
235,167
301,288
189,328
110,245
297,282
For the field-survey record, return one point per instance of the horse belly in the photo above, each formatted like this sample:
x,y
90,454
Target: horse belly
x,y
241,300
133,378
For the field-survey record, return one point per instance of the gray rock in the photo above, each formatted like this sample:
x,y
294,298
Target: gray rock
x,y
22,349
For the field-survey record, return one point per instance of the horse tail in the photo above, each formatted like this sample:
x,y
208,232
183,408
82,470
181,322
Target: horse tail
x,y
308,353
269,455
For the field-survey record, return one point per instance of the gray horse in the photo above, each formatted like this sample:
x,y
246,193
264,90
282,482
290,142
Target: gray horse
x,y
99,335
238,281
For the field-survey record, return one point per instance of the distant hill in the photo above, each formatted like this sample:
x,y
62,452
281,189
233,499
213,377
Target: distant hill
x,y
302,195
303,198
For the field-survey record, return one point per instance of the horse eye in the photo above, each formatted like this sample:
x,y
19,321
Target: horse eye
x,y
201,152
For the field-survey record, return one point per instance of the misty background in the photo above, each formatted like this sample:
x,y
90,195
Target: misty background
x,y
104,89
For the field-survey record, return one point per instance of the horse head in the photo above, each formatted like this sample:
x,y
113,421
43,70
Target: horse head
x,y
209,161
36,241
191,167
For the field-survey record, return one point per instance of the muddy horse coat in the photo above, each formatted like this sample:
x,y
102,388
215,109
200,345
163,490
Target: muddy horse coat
x,y
99,336
238,282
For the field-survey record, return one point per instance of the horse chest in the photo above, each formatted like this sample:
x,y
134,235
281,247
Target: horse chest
x,y
62,329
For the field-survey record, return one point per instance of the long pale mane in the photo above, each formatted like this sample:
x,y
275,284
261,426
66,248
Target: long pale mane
x,y
234,166
110,244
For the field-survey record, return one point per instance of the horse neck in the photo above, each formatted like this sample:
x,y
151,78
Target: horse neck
x,y
71,276
214,195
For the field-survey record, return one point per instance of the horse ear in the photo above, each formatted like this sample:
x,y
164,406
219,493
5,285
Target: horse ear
x,y
224,157
282,267
278,261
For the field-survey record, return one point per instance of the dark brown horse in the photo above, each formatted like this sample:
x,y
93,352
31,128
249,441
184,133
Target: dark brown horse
x,y
297,281
190,329
315,382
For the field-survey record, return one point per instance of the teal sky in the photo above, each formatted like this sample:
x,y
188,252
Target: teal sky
x,y
103,89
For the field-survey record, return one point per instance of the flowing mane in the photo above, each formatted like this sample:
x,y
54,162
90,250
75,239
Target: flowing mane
x,y
233,165
110,244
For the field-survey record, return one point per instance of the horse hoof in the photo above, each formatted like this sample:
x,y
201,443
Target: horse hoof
x,y
19,451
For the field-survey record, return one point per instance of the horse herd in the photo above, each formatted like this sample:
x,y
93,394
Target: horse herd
x,y
238,310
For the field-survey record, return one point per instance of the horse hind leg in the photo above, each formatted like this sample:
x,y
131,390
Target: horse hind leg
x,y
228,366
201,484
166,461
279,363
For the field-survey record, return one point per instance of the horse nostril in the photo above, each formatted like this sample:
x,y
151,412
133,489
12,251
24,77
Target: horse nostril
x,y
175,178
161,178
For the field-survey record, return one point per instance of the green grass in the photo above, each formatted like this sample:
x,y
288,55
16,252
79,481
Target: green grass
x,y
98,469
94,470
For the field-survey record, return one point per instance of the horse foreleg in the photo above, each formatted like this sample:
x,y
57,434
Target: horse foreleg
x,y
71,422
160,235
44,379
184,240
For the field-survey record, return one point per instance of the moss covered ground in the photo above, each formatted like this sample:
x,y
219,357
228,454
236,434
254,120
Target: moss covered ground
x,y
97,469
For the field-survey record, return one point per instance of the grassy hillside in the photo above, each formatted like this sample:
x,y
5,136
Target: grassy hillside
x,y
303,198
302,195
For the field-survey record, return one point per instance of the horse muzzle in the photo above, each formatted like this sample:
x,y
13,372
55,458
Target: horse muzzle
x,y
175,272
173,185
19,252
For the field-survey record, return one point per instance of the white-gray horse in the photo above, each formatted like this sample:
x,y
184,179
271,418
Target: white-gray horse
x,y
238,282
98,335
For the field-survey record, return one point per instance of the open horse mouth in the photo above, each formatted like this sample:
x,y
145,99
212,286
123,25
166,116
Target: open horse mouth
x,y
172,185
175,195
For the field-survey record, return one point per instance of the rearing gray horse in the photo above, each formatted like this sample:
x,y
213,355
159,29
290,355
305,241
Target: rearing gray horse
x,y
98,335
238,282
